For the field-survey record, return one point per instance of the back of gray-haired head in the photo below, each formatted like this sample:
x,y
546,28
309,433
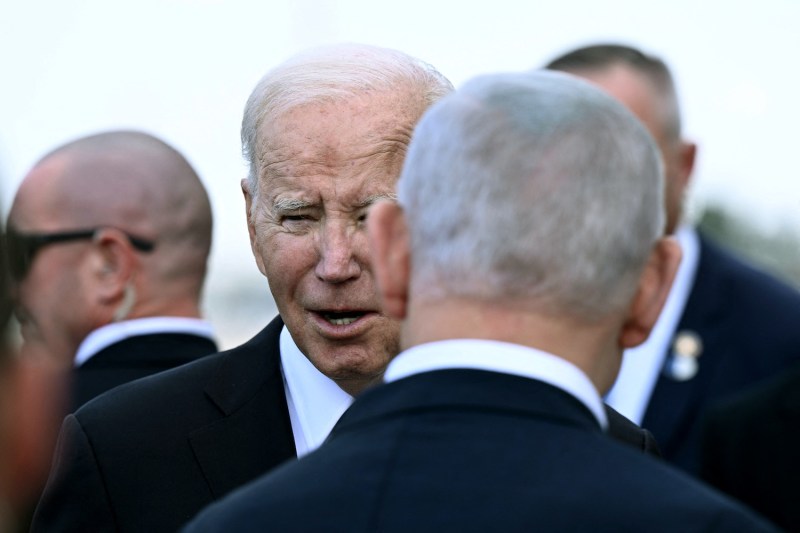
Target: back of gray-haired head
x,y
330,74
536,188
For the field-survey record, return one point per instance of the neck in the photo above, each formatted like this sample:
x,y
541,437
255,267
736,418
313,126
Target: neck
x,y
354,387
591,347
177,308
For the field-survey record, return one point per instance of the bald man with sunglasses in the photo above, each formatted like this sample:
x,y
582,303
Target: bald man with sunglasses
x,y
108,239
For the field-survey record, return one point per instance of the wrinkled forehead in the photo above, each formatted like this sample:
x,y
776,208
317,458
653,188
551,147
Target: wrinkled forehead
x,y
362,138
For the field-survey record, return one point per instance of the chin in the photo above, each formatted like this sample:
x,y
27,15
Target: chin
x,y
353,365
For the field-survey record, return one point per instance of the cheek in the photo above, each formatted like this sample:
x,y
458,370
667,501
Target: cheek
x,y
287,259
361,247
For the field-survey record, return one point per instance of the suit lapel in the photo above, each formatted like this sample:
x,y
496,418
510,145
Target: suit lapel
x,y
254,433
674,402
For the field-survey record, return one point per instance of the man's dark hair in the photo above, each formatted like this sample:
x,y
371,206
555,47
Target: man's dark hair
x,y
600,57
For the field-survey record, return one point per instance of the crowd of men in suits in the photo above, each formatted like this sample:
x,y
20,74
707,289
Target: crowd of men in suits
x,y
449,362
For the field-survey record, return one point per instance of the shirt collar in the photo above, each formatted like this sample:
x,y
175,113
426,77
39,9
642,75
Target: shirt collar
x,y
109,334
504,357
315,401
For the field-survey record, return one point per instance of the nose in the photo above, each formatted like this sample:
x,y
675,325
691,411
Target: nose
x,y
339,252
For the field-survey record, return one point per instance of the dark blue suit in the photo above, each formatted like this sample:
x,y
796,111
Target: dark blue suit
x,y
470,450
749,324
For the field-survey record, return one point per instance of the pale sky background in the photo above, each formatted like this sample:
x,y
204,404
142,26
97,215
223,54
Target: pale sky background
x,y
182,70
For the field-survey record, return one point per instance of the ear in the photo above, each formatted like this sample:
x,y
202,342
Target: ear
x,y
251,229
686,158
654,286
390,256
111,266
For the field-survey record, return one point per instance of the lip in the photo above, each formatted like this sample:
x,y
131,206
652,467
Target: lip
x,y
342,331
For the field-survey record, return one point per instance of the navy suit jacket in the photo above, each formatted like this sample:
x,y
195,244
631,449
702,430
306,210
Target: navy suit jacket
x,y
749,324
148,455
751,448
134,358
470,450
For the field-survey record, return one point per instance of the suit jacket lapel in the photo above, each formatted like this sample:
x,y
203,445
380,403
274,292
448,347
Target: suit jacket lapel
x,y
673,403
254,432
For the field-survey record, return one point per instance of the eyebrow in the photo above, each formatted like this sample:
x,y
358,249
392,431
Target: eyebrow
x,y
290,204
392,197
283,205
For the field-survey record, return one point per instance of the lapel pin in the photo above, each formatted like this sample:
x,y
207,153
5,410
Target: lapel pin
x,y
682,361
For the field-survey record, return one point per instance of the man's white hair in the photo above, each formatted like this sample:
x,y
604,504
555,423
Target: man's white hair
x,y
329,74
535,187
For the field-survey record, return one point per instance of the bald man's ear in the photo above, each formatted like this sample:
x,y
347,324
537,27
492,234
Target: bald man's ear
x,y
251,229
111,266
655,283
390,252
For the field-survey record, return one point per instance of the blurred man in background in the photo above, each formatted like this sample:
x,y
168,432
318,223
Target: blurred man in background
x,y
108,237
726,325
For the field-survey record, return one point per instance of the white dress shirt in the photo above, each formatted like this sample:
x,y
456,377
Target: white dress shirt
x,y
112,333
501,357
641,366
315,401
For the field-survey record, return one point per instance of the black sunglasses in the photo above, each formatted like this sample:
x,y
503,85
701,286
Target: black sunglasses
x,y
23,247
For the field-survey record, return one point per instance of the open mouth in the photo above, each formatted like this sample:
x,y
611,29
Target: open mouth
x,y
342,319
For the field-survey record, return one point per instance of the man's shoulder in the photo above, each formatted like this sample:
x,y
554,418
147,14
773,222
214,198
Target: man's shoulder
x,y
183,389
301,495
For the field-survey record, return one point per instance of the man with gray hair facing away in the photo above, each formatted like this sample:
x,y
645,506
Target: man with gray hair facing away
x,y
525,254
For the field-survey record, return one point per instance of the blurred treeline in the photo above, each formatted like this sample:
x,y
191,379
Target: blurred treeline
x,y
777,250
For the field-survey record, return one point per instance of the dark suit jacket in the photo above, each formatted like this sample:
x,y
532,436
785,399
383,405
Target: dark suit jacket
x,y
470,450
150,454
749,323
751,448
134,358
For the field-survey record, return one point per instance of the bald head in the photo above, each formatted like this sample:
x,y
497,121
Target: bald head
x,y
128,180
132,186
